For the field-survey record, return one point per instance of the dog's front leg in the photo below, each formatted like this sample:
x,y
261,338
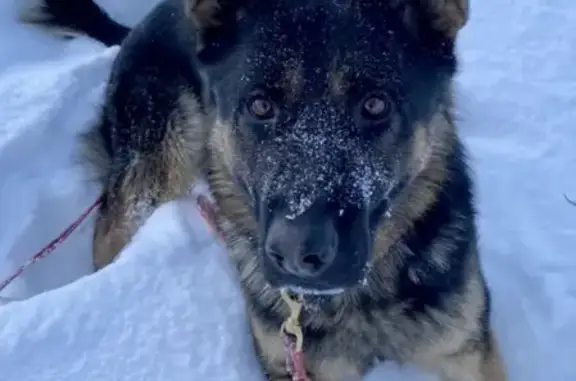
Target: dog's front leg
x,y
131,196
144,172
480,364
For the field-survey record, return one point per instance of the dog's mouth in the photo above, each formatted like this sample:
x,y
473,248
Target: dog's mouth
x,y
313,299
307,292
319,288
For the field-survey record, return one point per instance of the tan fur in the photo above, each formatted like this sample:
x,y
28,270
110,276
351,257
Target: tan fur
x,y
269,347
150,180
447,345
292,82
482,364
233,205
446,16
429,148
338,82
203,12
493,365
451,15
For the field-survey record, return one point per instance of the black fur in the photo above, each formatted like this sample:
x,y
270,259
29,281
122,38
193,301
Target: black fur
x,y
161,68
407,266
78,16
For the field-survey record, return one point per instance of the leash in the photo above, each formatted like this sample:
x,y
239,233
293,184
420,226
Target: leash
x,y
50,247
293,347
291,331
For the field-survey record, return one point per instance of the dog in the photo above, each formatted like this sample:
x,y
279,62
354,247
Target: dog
x,y
326,132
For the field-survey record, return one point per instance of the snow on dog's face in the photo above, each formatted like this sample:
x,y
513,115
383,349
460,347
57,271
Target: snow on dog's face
x,y
318,106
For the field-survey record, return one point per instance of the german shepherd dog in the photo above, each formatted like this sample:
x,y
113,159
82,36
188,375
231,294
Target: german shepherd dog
x,y
325,130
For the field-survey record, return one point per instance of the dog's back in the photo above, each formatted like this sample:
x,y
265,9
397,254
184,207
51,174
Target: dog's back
x,y
151,120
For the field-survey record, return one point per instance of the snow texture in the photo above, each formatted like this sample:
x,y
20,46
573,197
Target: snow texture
x,y
170,308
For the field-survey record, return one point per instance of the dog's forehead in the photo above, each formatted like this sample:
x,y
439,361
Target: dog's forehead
x,y
320,41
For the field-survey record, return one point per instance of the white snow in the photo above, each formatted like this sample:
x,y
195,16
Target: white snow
x,y
170,309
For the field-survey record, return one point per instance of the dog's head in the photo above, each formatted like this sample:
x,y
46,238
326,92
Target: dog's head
x,y
317,103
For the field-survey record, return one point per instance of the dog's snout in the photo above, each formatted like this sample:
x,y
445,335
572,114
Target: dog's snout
x,y
300,249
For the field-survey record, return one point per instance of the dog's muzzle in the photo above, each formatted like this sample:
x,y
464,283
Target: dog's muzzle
x,y
299,248
320,251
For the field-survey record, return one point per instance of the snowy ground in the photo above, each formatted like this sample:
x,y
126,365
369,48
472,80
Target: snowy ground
x,y
170,310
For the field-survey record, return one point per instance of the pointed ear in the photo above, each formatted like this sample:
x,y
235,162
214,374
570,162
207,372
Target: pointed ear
x,y
446,17
216,23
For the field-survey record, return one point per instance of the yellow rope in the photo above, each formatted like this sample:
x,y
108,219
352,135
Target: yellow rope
x,y
292,324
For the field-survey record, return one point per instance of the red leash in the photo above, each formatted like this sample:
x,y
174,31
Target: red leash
x,y
294,356
203,204
294,360
51,246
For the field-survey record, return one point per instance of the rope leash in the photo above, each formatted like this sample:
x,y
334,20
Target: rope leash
x,y
50,247
294,347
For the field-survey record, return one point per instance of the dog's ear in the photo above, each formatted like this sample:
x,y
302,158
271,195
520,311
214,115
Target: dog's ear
x,y
216,23
446,17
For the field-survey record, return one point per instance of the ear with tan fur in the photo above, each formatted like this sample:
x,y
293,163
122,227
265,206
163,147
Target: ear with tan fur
x,y
447,17
216,22
203,13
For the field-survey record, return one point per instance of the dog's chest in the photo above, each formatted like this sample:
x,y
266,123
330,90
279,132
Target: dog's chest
x,y
329,357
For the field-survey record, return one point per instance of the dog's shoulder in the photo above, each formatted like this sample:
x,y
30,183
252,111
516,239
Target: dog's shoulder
x,y
153,78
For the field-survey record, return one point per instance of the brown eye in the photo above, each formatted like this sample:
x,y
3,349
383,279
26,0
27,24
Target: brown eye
x,y
375,107
261,108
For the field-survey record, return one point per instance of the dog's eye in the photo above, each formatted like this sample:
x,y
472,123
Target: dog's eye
x,y
375,107
261,107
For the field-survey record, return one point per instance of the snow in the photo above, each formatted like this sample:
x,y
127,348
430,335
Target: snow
x,y
170,308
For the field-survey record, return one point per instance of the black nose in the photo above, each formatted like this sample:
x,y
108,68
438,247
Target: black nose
x,y
299,248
